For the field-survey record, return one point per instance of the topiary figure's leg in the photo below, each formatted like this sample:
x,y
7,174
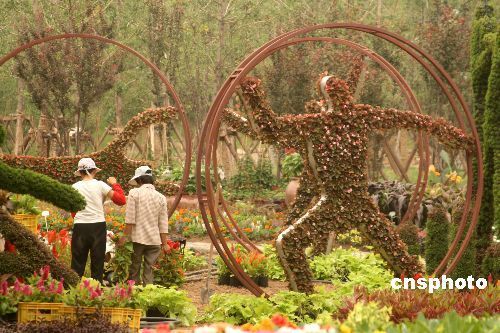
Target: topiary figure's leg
x,y
291,245
380,233
33,254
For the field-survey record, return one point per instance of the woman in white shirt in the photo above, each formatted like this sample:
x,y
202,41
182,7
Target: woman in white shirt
x,y
89,226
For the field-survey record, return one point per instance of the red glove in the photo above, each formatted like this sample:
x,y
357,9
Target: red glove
x,y
73,215
118,195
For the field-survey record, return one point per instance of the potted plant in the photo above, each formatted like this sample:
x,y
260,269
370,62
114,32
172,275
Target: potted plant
x,y
224,274
25,211
40,298
8,304
292,168
165,305
256,267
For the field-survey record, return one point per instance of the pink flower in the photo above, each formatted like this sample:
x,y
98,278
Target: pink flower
x,y
27,290
60,287
86,283
4,287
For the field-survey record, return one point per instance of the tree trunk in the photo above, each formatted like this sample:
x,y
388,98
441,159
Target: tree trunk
x,y
19,140
43,129
118,110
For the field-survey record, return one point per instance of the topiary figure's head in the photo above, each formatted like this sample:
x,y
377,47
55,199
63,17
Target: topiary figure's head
x,y
335,91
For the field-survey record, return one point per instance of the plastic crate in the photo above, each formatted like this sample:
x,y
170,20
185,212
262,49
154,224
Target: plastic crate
x,y
131,317
33,311
29,221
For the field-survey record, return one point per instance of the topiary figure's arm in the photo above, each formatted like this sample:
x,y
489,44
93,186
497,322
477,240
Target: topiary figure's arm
x,y
41,187
238,122
269,127
444,131
33,254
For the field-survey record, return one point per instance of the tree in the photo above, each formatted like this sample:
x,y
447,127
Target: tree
x,y
436,242
65,78
484,26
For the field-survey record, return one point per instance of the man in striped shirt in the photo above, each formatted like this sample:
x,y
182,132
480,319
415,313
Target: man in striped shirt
x,y
146,220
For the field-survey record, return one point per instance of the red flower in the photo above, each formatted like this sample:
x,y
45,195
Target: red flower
x,y
9,247
51,236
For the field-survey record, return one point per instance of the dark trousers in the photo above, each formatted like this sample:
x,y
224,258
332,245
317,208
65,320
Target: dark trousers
x,y
150,254
89,237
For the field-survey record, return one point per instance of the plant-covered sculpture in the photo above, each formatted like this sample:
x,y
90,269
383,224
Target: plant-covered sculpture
x,y
332,139
29,254
112,159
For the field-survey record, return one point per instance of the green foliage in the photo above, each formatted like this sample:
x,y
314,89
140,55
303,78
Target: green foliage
x,y
368,317
120,263
408,232
169,301
467,264
491,127
292,165
41,187
237,309
436,242
191,261
2,135
485,107
168,269
301,308
251,178
25,204
348,268
274,268
32,253
407,304
491,262
7,305
451,322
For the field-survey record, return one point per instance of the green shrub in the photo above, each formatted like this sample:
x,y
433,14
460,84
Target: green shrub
x,y
436,242
467,264
274,269
2,135
252,179
408,232
191,261
491,262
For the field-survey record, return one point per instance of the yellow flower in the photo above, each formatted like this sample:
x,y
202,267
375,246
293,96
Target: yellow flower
x,y
266,325
345,329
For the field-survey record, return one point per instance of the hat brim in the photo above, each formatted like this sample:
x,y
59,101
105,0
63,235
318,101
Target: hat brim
x,y
77,172
133,182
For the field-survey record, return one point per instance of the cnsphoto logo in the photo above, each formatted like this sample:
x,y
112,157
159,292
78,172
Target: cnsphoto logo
x,y
434,283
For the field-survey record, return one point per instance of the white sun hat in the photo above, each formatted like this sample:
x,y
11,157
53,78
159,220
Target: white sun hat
x,y
140,171
85,164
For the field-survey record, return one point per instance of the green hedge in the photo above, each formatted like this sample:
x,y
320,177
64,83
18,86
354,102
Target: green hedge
x,y
467,264
436,242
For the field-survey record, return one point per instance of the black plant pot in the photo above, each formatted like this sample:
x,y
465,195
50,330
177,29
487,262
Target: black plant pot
x,y
224,279
262,281
234,282
8,318
152,322
154,312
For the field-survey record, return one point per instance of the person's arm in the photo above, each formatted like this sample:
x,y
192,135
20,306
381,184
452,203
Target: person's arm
x,y
163,225
116,194
444,131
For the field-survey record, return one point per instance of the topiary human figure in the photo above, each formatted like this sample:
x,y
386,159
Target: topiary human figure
x,y
112,159
31,254
333,144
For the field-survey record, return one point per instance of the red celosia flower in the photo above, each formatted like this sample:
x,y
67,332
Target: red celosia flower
x,y
9,247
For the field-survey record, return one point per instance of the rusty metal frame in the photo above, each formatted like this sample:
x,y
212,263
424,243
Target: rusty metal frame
x,y
156,71
208,140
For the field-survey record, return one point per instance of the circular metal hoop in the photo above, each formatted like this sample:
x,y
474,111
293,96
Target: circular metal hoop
x,y
153,67
206,150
